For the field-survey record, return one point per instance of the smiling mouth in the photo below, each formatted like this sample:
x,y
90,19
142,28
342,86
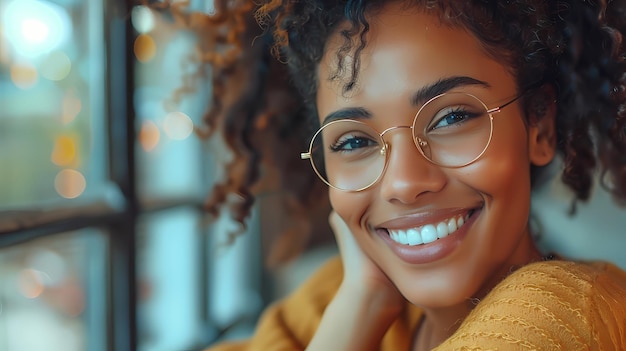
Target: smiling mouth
x,y
430,232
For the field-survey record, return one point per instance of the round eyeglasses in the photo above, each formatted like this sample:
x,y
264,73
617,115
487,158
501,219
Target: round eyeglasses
x,y
450,130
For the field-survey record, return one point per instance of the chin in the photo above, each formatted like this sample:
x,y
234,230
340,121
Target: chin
x,y
444,286
439,298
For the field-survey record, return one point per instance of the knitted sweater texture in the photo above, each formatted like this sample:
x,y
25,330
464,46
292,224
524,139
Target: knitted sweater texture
x,y
551,305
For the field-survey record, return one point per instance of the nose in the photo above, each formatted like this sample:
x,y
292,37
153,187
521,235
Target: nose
x,y
409,174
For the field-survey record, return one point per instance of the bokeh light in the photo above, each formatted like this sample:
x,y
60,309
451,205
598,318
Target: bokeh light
x,y
24,76
70,183
50,262
142,19
56,66
34,30
144,48
149,136
31,283
35,27
71,107
177,125
64,151
69,297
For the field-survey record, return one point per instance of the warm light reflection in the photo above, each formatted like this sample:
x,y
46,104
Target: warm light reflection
x,y
56,66
71,107
145,48
149,136
23,76
67,297
30,283
64,151
142,19
71,298
70,183
177,125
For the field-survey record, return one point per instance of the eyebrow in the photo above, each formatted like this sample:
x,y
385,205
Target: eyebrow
x,y
443,86
418,98
347,113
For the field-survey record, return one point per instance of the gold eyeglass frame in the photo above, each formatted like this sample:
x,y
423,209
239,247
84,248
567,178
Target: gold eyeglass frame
x,y
419,142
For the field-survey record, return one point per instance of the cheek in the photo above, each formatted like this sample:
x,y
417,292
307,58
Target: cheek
x,y
505,187
500,174
350,206
505,166
503,178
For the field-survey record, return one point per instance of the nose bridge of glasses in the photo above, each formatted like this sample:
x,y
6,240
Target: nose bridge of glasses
x,y
384,150
382,135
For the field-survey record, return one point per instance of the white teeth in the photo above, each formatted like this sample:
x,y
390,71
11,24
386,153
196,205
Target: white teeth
x,y
414,237
451,225
442,230
402,239
427,233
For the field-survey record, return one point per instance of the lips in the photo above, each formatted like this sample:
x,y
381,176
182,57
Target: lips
x,y
428,237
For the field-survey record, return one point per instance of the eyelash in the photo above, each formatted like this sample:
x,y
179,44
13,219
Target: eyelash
x,y
467,114
364,141
338,146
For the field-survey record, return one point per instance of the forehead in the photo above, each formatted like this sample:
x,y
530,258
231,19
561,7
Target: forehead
x,y
406,49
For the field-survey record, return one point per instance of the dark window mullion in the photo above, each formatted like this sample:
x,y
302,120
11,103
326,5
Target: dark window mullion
x,y
121,117
21,226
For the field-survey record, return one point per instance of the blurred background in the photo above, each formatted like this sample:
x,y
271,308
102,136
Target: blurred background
x,y
104,244
103,241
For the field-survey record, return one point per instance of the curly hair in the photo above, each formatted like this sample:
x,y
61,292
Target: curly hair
x,y
576,47
257,113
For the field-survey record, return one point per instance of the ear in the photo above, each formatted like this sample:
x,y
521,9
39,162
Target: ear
x,y
542,129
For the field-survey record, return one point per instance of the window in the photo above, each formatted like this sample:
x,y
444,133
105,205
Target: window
x,y
52,293
104,244
55,193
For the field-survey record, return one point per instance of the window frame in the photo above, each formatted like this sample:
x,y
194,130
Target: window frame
x,y
119,216
117,220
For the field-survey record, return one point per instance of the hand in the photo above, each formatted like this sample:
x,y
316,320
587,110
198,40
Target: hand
x,y
361,274
365,305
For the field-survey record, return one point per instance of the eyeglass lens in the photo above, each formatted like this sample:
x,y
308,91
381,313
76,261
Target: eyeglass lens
x,y
451,130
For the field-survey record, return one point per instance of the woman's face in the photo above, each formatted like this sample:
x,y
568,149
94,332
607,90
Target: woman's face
x,y
407,52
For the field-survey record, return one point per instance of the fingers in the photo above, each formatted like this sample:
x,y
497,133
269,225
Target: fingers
x,y
348,247
337,224
343,235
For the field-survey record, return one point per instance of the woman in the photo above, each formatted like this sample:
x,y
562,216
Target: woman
x,y
434,119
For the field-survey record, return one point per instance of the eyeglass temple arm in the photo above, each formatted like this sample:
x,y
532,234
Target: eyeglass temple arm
x,y
526,90
497,109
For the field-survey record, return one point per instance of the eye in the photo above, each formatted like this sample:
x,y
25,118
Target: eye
x,y
351,142
452,116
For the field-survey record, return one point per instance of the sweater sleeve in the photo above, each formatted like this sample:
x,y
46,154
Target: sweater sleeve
x,y
290,324
554,305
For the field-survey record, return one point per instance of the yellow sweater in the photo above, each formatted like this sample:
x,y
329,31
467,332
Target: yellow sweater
x,y
551,305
